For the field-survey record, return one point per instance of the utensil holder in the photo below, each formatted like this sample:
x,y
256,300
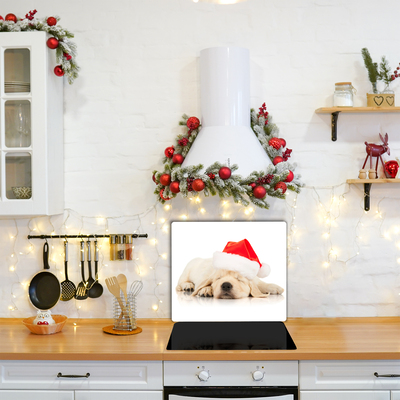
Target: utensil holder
x,y
125,317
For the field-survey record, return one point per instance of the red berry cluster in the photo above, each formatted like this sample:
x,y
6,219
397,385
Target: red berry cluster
x,y
286,154
396,73
211,175
183,141
265,179
189,184
263,113
30,15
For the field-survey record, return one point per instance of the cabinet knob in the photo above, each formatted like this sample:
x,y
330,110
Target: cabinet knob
x,y
258,375
204,375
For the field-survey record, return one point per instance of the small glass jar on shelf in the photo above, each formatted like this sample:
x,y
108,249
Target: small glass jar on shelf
x,y
343,95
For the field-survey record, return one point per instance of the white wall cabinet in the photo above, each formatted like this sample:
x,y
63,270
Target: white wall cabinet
x,y
31,127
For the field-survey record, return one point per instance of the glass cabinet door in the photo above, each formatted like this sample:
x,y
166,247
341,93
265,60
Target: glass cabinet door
x,y
17,123
17,67
18,176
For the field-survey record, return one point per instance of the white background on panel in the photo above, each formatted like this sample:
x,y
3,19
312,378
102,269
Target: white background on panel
x,y
201,239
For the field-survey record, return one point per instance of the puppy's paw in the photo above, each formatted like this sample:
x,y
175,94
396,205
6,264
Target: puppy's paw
x,y
185,286
274,289
205,292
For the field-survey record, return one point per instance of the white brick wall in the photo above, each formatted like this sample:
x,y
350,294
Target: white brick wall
x,y
139,74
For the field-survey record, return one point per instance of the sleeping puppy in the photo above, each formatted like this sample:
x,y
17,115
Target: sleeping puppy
x,y
200,277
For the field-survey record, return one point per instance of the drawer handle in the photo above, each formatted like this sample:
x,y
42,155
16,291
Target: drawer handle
x,y
386,376
60,375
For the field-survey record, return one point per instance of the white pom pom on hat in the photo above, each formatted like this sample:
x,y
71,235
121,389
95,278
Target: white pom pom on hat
x,y
240,257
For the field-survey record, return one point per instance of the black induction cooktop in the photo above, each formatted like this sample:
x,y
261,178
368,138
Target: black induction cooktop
x,y
230,336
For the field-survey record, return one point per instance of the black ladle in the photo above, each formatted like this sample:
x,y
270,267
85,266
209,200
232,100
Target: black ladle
x,y
96,289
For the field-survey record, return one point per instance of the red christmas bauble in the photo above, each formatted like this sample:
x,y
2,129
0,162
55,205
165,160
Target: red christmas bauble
x,y
58,70
275,143
391,168
11,17
259,192
193,123
177,159
1,18
169,151
281,185
165,179
198,185
225,173
161,195
51,21
283,142
52,43
289,177
154,179
277,160
174,187
67,56
253,185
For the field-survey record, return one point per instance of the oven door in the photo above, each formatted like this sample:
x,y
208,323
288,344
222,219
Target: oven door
x,y
230,393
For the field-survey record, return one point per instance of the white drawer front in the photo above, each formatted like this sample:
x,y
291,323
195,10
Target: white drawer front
x,y
395,395
234,373
35,395
349,375
122,375
118,395
345,395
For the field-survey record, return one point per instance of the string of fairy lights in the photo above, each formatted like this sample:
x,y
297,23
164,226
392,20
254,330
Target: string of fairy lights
x,y
155,221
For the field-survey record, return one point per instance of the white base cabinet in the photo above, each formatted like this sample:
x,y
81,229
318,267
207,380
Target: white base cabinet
x,y
345,380
35,395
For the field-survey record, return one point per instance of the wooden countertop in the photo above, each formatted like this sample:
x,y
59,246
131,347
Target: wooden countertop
x,y
315,338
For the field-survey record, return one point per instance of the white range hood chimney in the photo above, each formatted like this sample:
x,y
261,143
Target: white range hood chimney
x,y
226,135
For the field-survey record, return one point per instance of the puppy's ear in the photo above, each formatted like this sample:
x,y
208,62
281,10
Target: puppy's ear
x,y
255,291
202,285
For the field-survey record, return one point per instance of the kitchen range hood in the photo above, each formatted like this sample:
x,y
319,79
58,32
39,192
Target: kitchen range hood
x,y
226,135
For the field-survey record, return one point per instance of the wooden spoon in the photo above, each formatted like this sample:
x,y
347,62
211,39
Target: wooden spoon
x,y
123,284
115,290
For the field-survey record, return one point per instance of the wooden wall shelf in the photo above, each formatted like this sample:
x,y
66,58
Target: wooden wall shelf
x,y
335,111
367,187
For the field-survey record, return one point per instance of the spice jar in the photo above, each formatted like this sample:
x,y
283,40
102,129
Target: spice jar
x,y
128,247
113,247
343,95
120,247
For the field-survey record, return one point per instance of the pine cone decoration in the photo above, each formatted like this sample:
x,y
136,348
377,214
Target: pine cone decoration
x,y
275,143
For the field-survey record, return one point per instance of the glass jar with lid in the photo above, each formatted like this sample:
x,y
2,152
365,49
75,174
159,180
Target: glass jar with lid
x,y
343,95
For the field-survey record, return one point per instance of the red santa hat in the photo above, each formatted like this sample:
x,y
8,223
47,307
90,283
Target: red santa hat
x,y
240,257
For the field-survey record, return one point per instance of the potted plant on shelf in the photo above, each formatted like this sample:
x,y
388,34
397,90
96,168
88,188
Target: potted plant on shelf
x,y
377,73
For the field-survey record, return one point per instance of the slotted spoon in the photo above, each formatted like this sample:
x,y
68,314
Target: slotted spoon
x,y
68,288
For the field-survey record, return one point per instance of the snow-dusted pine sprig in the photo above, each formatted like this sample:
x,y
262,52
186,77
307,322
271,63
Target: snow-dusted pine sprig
x,y
66,51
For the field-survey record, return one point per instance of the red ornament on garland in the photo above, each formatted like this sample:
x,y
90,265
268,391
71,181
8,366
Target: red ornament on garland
x,y
391,168
259,192
51,21
165,179
193,123
253,185
169,151
290,177
177,159
161,195
1,18
52,43
154,179
281,185
225,173
277,160
174,187
275,143
283,142
198,185
11,17
58,70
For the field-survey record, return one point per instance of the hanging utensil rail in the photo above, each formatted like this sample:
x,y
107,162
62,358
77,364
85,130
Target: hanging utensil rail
x,y
134,236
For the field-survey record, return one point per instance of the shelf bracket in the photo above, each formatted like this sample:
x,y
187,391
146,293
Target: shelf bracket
x,y
367,190
335,117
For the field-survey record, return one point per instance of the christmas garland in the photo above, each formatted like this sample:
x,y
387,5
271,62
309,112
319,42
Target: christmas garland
x,y
218,178
65,48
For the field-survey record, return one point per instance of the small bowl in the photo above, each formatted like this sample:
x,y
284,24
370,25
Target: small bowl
x,y
22,192
60,321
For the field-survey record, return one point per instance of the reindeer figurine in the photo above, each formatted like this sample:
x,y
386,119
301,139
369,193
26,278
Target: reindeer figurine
x,y
376,150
